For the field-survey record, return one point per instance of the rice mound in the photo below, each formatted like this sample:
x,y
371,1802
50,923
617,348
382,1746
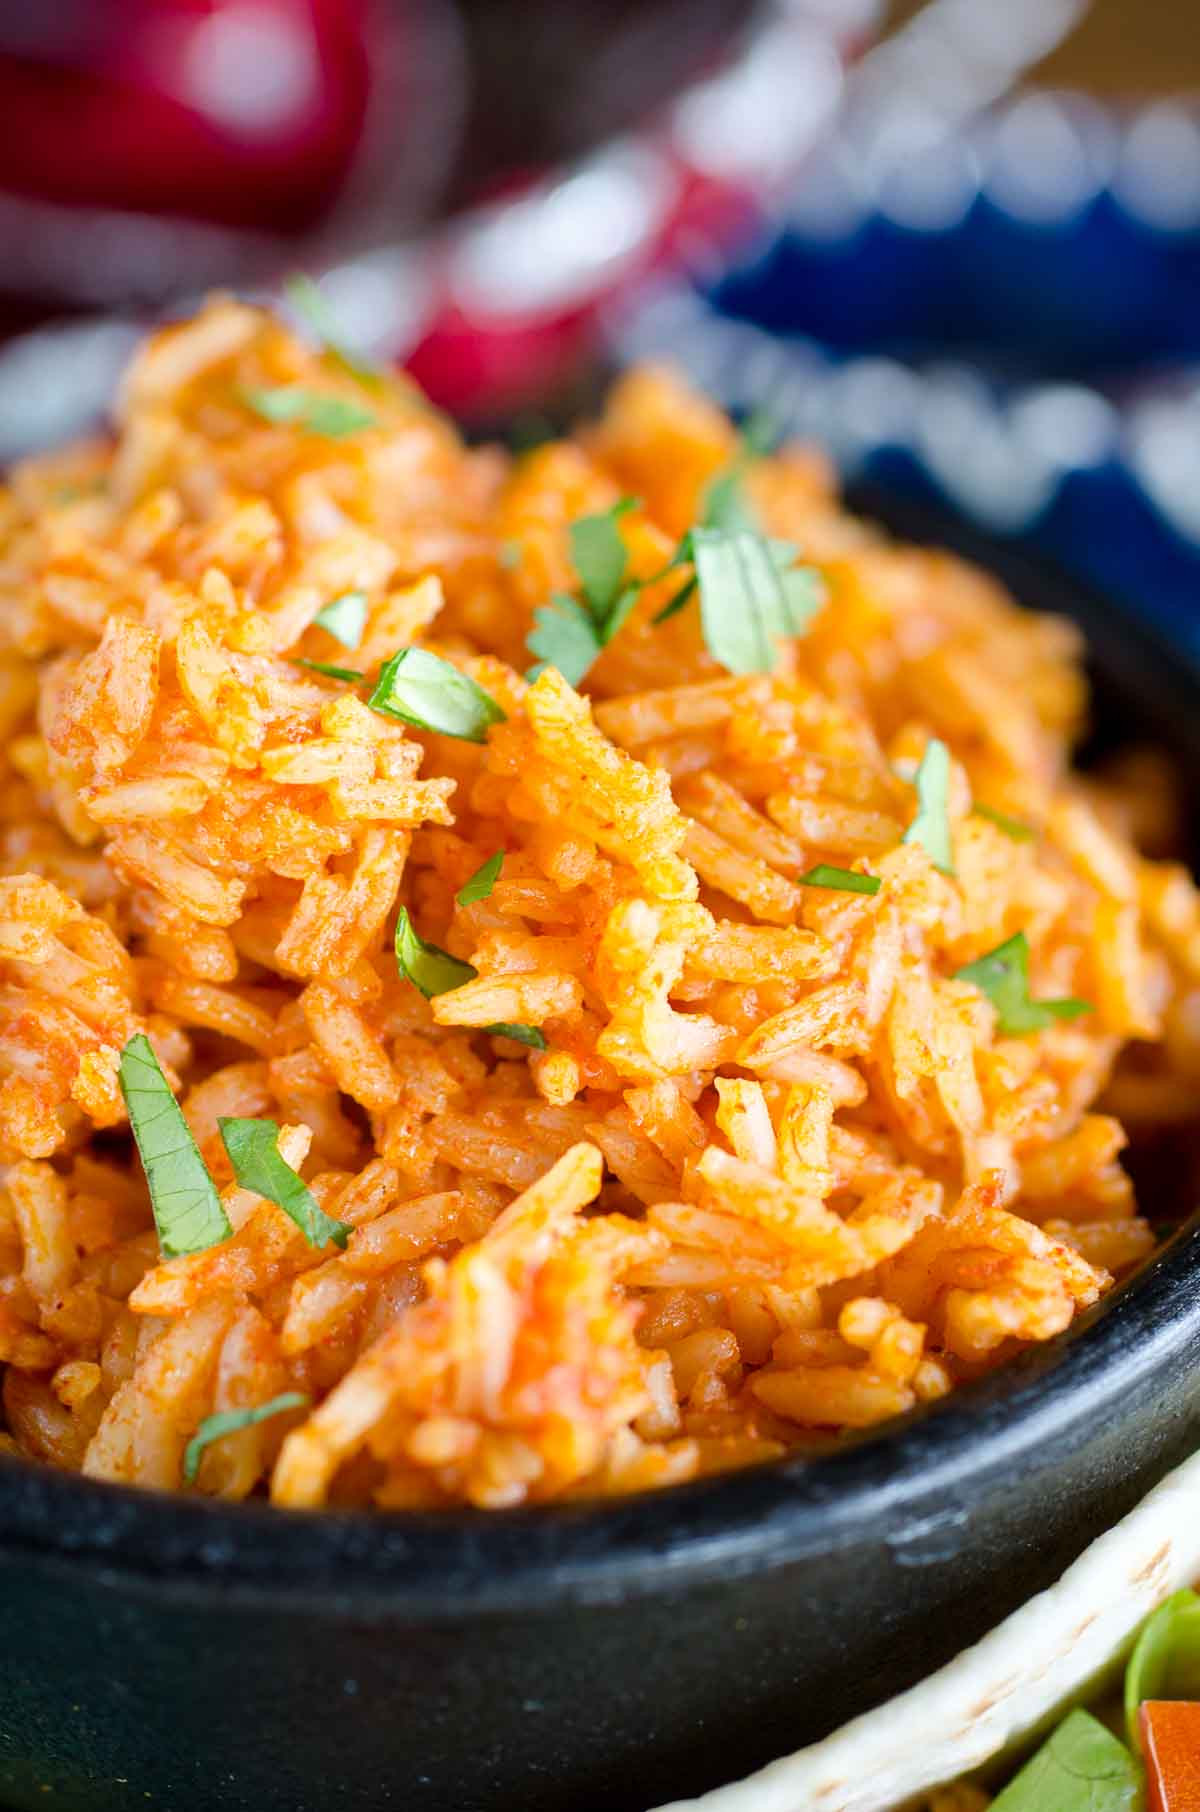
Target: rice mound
x,y
775,1174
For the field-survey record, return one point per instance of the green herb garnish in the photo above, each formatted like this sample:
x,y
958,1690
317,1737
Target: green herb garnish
x,y
511,555
1012,827
229,1421
306,298
751,593
421,689
846,880
529,429
931,826
187,1209
344,618
1003,975
253,1147
570,632
1082,1768
600,556
349,674
563,636
530,1035
435,971
432,970
674,605
74,493
1165,1663
726,505
315,410
482,881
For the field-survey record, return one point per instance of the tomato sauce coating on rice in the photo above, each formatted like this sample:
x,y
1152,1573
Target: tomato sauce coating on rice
x,y
766,1167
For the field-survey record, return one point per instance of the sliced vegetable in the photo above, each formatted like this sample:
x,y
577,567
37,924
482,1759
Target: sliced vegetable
x,y
1012,827
308,302
229,1421
845,880
1170,1740
751,594
187,1209
350,674
344,618
482,881
253,1147
1165,1663
1082,1768
1003,975
421,689
320,413
428,968
931,826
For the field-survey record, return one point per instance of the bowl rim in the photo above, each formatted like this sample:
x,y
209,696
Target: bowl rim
x,y
902,1480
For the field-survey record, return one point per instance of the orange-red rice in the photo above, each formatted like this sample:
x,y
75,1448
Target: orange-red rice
x,y
775,1174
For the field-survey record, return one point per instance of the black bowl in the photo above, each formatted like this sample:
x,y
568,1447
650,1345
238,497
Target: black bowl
x,y
174,1653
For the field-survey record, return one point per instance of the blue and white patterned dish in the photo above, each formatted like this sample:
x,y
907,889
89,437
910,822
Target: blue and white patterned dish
x,y
1007,320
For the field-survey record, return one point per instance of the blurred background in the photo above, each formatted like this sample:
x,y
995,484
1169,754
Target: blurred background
x,y
956,241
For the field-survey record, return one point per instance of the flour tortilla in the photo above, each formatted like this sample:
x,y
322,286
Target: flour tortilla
x,y
993,1694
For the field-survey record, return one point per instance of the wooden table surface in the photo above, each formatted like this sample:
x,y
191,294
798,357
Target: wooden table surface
x,y
1120,47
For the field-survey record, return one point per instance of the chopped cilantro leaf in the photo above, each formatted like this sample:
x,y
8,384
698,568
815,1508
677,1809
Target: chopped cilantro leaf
x,y
1012,827
253,1147
315,410
846,880
435,971
350,674
760,433
674,605
308,302
600,557
229,1421
570,632
482,881
421,689
931,826
529,1035
430,969
1003,975
726,505
187,1209
344,618
530,429
564,636
751,594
